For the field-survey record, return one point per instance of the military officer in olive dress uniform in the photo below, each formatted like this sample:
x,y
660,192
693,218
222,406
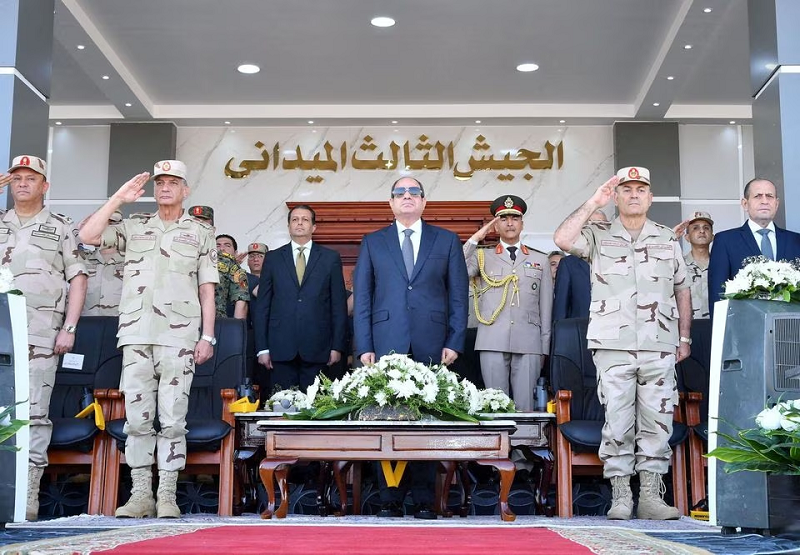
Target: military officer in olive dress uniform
x,y
639,322
166,326
40,249
513,295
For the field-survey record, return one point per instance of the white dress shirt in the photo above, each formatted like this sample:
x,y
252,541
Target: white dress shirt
x,y
415,237
506,245
296,251
754,227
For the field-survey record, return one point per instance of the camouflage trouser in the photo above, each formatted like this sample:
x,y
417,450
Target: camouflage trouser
x,y
42,364
638,391
156,376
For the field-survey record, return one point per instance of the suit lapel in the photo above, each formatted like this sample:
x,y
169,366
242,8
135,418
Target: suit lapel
x,y
749,240
780,243
316,253
425,246
390,237
288,260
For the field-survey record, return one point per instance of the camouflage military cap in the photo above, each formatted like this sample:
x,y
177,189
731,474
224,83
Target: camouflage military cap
x,y
508,205
702,216
257,247
202,212
31,162
116,217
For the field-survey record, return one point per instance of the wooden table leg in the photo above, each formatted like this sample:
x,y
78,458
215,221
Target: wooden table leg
x,y
356,487
507,470
443,487
269,470
339,471
466,484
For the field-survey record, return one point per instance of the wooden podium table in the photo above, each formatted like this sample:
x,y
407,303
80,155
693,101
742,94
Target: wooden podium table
x,y
290,441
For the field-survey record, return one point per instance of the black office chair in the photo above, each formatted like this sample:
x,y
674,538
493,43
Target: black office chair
x,y
580,416
78,442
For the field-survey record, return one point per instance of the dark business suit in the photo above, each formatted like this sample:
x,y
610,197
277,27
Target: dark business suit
x,y
300,324
731,247
573,289
418,316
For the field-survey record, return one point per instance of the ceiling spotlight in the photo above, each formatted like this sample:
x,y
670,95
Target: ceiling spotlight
x,y
394,121
58,123
248,69
128,104
670,78
227,123
106,77
687,46
708,10
477,121
313,130
311,121
562,121
395,130
382,21
80,47
656,104
527,67
732,122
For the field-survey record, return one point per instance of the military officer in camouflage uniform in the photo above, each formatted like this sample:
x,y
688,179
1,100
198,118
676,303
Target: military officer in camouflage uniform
x,y
513,286
166,326
231,291
40,249
106,268
699,230
639,322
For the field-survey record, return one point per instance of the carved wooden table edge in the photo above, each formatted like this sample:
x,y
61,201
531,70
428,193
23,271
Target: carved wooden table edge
x,y
288,441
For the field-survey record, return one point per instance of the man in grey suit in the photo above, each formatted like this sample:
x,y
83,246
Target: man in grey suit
x,y
514,290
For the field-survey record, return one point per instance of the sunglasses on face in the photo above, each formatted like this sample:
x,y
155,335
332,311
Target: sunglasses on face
x,y
399,192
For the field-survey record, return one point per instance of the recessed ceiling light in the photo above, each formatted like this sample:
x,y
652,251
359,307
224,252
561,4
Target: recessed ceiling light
x,y
732,122
80,47
670,77
248,69
394,121
58,123
128,104
708,10
477,121
527,67
687,46
313,130
562,121
395,130
311,121
382,21
106,77
227,123
656,104
560,130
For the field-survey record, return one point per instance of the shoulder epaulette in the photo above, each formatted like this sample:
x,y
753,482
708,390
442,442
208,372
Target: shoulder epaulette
x,y
531,249
141,216
63,218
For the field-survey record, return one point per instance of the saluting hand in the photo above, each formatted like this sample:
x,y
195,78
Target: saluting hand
x,y
481,234
680,229
5,179
133,189
604,193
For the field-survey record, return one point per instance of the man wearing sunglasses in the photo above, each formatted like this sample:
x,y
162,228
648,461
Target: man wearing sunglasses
x,y
410,287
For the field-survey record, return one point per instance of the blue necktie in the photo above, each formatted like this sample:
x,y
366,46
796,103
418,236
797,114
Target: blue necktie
x,y
408,252
766,244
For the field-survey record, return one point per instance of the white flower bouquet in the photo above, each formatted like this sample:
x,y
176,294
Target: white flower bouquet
x,y
397,380
773,446
7,281
287,398
762,278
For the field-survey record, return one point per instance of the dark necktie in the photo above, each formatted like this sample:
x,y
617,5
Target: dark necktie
x,y
766,244
408,252
512,252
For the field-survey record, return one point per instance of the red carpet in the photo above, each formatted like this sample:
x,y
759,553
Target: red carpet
x,y
359,540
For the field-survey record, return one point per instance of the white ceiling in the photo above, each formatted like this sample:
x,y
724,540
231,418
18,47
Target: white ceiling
x,y
444,62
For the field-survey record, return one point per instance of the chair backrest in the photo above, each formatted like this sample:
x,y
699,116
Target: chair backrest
x,y
694,372
572,368
227,369
100,367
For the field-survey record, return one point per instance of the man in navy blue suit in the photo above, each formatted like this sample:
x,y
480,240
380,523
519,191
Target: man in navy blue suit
x,y
300,316
758,236
410,286
573,287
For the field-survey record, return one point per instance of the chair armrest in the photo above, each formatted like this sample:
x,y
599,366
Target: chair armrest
x,y
117,404
228,396
563,398
692,403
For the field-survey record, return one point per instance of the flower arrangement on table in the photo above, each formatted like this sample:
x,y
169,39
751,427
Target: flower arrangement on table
x,y
396,382
7,281
773,446
762,278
